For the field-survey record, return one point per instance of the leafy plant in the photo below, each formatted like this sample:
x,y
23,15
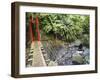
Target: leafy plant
x,y
68,27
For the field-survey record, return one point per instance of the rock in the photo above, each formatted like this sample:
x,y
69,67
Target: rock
x,y
77,58
86,52
52,63
86,60
77,42
68,62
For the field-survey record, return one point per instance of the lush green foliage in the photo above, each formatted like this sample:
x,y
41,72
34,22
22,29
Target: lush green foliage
x,y
68,27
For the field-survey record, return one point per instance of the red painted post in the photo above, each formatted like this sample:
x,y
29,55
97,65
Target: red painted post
x,y
37,28
30,28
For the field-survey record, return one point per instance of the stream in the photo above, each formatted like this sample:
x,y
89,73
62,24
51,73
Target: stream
x,y
66,55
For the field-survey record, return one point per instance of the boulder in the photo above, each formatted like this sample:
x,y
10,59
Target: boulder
x,y
77,58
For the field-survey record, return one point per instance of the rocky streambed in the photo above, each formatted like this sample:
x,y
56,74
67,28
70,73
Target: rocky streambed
x,y
65,55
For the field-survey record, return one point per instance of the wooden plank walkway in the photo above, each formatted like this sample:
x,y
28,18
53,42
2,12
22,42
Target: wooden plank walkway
x,y
38,59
